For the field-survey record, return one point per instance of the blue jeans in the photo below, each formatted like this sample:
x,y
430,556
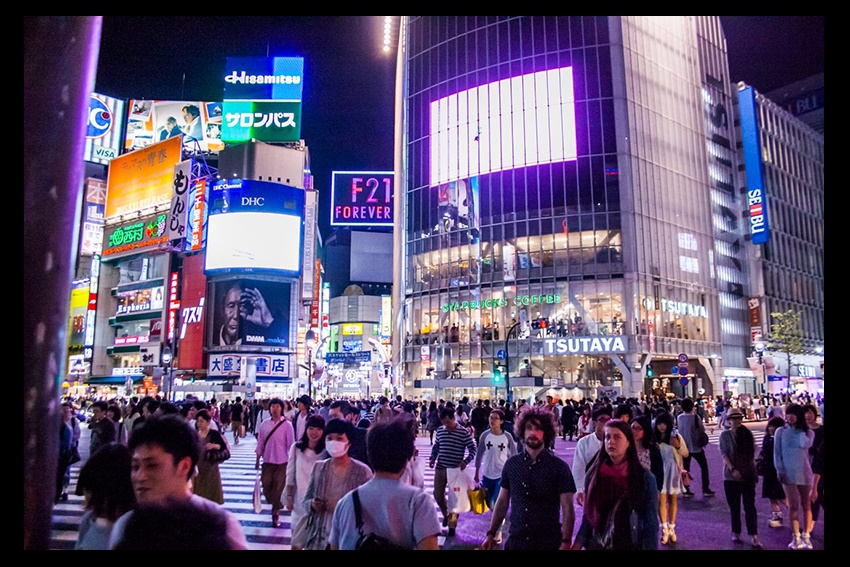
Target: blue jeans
x,y
491,486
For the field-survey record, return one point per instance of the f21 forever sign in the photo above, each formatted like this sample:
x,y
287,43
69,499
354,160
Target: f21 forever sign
x,y
362,198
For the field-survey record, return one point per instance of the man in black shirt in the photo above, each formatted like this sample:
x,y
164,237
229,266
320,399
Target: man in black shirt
x,y
236,419
539,487
480,418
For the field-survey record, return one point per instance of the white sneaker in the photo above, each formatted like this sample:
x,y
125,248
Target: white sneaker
x,y
806,542
774,523
796,542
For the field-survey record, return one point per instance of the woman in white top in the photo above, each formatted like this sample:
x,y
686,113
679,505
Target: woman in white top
x,y
302,455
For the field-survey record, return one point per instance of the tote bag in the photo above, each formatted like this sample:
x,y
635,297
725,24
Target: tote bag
x,y
258,495
459,482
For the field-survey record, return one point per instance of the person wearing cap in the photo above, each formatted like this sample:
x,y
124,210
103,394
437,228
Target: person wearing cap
x,y
299,421
738,448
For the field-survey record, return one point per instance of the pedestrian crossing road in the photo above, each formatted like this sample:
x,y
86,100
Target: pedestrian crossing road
x,y
238,476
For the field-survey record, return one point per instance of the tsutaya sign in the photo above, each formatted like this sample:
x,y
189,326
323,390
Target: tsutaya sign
x,y
677,307
491,303
583,345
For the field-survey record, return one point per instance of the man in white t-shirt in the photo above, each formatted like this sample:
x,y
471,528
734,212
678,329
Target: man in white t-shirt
x,y
587,447
495,447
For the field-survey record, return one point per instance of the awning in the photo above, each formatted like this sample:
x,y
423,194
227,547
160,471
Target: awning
x,y
102,380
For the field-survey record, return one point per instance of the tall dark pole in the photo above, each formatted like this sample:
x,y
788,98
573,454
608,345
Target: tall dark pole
x,y
510,393
60,64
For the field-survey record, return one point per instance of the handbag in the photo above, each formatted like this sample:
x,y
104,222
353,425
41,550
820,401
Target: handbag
x,y
761,468
700,436
258,494
370,542
75,455
220,455
478,500
216,456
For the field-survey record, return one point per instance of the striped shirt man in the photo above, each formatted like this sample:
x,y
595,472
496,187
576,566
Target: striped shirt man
x,y
450,445
447,453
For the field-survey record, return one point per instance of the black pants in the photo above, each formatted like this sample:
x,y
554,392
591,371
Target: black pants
x,y
738,491
699,456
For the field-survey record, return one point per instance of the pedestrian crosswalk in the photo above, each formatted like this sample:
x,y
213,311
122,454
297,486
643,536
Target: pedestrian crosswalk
x,y
238,476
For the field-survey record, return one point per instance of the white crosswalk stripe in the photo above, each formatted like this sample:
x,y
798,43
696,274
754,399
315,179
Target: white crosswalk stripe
x,y
237,477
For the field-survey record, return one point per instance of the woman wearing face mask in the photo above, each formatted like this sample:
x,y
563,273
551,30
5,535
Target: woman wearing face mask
x,y
331,479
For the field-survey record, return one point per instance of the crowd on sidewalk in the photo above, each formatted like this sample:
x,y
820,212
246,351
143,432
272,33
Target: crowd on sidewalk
x,y
348,469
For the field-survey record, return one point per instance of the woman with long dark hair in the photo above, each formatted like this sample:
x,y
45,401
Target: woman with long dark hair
x,y
621,499
302,456
793,469
673,450
647,449
771,488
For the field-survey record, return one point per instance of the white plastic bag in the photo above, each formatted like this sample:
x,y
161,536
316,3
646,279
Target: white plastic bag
x,y
258,495
458,483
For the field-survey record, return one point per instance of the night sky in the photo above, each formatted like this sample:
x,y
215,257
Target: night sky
x,y
348,93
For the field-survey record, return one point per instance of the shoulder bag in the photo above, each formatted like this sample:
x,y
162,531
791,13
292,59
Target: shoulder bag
x,y
219,455
369,542
700,436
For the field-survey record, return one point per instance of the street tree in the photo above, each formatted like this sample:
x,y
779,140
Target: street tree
x,y
786,337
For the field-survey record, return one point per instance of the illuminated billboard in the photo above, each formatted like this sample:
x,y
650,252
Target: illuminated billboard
x,y
130,237
516,122
251,312
152,121
266,121
255,226
138,300
142,179
756,205
362,198
94,206
103,129
262,99
263,78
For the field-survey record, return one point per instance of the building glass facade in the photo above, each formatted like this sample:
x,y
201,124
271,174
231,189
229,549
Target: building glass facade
x,y
557,185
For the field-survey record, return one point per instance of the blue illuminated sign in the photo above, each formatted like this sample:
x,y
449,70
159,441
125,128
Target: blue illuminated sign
x,y
756,205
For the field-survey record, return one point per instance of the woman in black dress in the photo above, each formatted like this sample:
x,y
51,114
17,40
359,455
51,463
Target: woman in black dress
x,y
771,488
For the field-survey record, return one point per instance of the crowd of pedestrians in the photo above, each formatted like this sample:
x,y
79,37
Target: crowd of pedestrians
x,y
153,463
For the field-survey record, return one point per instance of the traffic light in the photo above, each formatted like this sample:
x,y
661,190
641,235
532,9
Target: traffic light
x,y
497,372
649,371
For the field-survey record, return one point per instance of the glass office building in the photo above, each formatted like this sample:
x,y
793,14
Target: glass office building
x,y
567,197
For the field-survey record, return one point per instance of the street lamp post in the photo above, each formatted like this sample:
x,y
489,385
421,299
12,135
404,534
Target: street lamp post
x,y
759,345
167,361
510,392
310,341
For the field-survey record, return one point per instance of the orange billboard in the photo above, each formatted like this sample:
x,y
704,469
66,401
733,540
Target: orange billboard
x,y
143,178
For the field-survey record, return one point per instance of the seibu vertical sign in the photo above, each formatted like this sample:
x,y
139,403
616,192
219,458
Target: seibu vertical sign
x,y
756,206
362,198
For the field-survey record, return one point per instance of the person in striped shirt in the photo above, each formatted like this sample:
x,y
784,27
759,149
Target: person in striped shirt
x,y
453,448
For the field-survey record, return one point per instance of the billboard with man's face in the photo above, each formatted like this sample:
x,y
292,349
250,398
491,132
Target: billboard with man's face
x,y
152,121
251,312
